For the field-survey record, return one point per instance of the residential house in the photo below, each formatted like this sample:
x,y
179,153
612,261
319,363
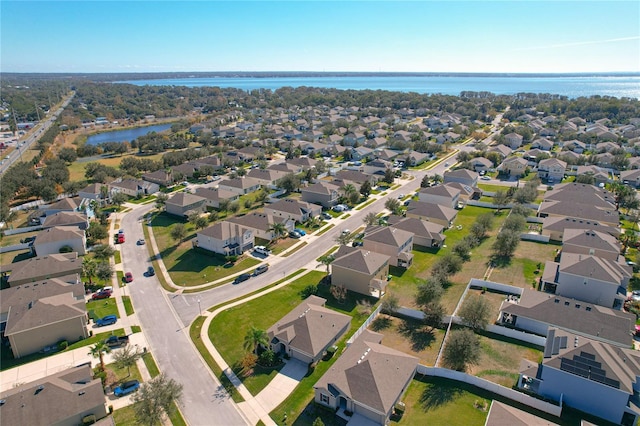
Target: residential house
x,y
40,314
308,330
542,143
262,224
501,414
66,238
503,150
354,177
481,164
240,186
536,312
95,191
576,146
586,375
183,204
415,158
323,193
425,234
463,176
68,397
600,175
64,205
513,166
213,196
39,268
387,154
590,242
440,194
582,201
160,177
299,211
267,177
588,278
466,192
394,242
226,238
353,139
631,177
430,212
360,271
513,140
367,381
552,169
361,153
376,167
75,219
135,187
556,226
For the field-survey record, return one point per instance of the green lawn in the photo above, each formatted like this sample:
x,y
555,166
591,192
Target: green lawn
x,y
125,416
96,338
10,240
228,328
117,258
102,307
120,277
188,266
128,306
122,374
152,367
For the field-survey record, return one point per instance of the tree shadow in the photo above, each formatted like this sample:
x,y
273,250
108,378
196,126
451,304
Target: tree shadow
x,y
435,396
499,261
381,323
417,334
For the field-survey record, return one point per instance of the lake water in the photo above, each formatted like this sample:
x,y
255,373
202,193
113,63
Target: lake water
x,y
126,135
570,86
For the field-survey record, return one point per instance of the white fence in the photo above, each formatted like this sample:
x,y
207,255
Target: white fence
x,y
364,326
22,230
535,219
535,237
555,410
490,285
14,247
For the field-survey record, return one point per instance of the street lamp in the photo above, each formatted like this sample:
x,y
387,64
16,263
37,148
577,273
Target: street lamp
x,y
199,308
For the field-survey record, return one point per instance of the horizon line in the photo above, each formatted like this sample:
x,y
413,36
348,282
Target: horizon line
x,y
503,73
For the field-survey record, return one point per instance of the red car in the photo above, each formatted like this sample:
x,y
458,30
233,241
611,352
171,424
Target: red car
x,y
101,295
128,277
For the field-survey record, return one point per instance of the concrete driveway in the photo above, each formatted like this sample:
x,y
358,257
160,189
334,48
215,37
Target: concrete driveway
x,y
282,384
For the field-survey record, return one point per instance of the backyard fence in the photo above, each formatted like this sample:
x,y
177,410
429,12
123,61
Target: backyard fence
x,y
14,247
535,237
365,325
22,230
538,404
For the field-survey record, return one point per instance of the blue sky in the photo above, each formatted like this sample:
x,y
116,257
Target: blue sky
x,y
418,36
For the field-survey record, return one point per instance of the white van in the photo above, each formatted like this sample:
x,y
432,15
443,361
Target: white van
x,y
262,250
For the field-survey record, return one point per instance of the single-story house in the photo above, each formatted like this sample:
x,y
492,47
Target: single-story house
x,y
308,330
213,196
267,177
240,186
161,177
262,224
134,187
95,191
77,219
367,380
436,213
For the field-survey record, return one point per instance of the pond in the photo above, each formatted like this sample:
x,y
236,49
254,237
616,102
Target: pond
x,y
126,135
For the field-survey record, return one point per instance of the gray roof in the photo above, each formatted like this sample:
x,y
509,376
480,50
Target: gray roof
x,y
388,235
363,261
310,327
215,194
461,173
561,224
501,414
223,230
577,209
594,267
440,191
587,319
321,187
418,227
242,183
259,221
66,219
582,194
69,204
62,395
370,373
293,206
430,210
58,233
591,239
53,265
184,199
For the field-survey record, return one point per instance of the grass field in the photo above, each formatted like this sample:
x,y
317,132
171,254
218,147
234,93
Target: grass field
x,y
102,307
128,306
188,266
9,240
409,336
76,169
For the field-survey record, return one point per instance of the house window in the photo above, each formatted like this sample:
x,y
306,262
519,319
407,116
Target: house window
x,y
324,398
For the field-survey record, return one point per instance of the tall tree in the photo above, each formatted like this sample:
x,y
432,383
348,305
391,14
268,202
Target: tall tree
x,y
278,229
126,357
370,219
98,350
462,348
254,338
155,399
178,232
365,189
475,312
88,268
327,260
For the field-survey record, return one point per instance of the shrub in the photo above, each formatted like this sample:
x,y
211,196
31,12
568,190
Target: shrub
x,y
65,249
311,289
268,358
62,345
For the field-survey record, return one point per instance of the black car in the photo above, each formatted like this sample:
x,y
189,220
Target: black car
x,y
241,277
150,271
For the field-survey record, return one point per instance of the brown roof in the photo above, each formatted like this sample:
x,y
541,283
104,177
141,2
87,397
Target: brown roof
x,y
66,219
441,191
53,265
418,227
594,267
184,199
242,183
362,261
321,187
560,224
429,210
215,194
388,235
223,230
370,373
310,327
502,414
69,204
591,239
292,206
58,233
53,399
259,221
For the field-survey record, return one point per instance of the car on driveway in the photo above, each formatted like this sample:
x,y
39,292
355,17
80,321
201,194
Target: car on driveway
x,y
128,277
101,295
242,277
326,216
301,231
126,388
108,320
635,295
294,234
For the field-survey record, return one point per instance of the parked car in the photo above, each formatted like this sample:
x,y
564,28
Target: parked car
x,y
120,231
240,278
140,242
635,295
120,239
128,277
262,250
101,295
116,341
261,269
108,320
339,208
150,271
485,177
357,244
126,388
294,234
326,216
301,231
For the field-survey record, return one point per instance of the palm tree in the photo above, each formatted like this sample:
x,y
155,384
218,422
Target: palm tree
x,y
255,337
88,268
98,350
348,189
278,230
326,260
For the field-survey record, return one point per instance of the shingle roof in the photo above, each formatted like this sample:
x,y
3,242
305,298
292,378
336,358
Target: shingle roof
x,y
594,267
560,224
591,239
215,194
370,373
52,265
58,233
309,327
259,221
63,395
388,235
242,183
418,227
184,199
502,414
292,206
321,187
441,191
65,219
429,210
362,261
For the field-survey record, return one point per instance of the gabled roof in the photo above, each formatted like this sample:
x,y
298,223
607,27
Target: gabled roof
x,y
309,327
69,204
58,233
255,220
64,218
223,230
242,183
53,265
93,188
388,235
53,399
370,373
581,210
441,191
183,199
587,319
591,239
430,210
321,187
363,261
293,206
594,267
266,174
215,194
502,414
418,227
461,173
562,223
